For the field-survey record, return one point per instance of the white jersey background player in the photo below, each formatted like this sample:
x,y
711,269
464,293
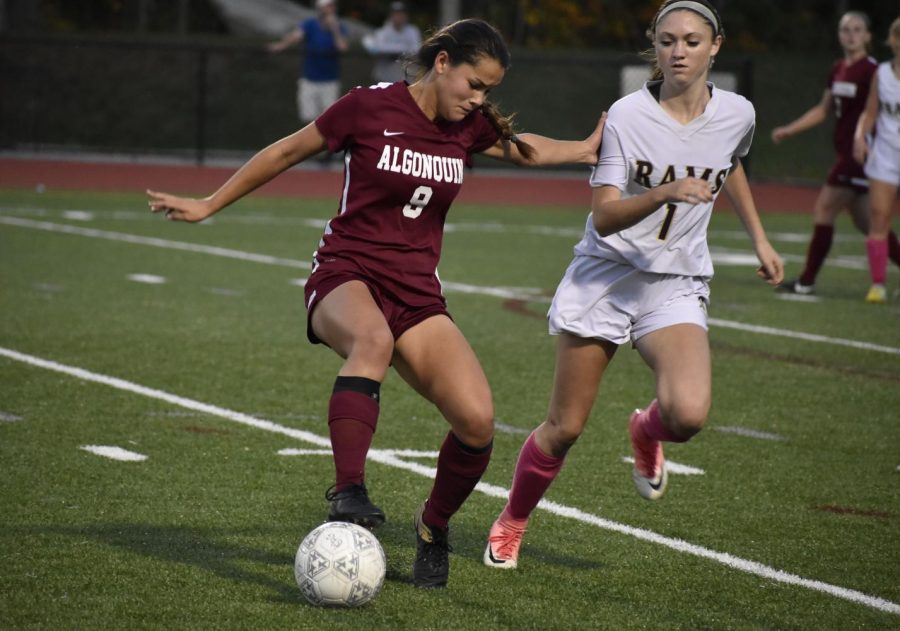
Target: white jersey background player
x,y
641,272
882,160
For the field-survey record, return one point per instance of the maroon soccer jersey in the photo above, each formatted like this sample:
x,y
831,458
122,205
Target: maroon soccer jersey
x,y
849,85
401,173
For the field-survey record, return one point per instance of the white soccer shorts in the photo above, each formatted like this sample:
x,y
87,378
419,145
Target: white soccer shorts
x,y
883,163
602,299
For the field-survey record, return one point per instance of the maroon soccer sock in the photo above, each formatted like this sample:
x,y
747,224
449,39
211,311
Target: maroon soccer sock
x,y
535,471
459,468
894,248
819,245
352,417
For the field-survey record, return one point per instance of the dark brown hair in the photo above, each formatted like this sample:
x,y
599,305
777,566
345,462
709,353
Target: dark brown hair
x,y
466,42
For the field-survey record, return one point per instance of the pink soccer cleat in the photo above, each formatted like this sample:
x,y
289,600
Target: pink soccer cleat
x,y
502,550
649,473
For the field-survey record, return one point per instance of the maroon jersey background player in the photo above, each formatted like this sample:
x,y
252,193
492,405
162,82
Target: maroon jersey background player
x,y
849,86
402,172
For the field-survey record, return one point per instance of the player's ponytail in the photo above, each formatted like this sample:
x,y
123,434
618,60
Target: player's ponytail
x,y
504,125
465,42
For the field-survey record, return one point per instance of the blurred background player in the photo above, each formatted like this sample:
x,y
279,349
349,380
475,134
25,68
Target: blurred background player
x,y
641,272
324,38
882,160
846,186
391,43
374,295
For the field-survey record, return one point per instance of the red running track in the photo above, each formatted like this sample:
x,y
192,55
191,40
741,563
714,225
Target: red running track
x,y
539,189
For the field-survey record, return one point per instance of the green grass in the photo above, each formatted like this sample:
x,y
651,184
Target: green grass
x,y
203,533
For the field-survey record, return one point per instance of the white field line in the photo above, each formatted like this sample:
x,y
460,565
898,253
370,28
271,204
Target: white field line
x,y
304,452
798,335
115,453
749,433
148,279
154,242
673,467
390,457
518,293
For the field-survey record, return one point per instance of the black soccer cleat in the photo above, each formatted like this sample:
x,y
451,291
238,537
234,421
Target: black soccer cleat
x,y
432,565
794,286
352,504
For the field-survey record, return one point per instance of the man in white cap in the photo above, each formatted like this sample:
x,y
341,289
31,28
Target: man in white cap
x,y
391,42
324,38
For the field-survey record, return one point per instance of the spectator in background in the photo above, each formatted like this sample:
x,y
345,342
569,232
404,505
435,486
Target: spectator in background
x,y
846,186
391,42
324,39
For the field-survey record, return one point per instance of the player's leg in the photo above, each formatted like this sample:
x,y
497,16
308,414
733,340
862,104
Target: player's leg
x,y
436,360
830,202
580,364
881,201
350,322
680,359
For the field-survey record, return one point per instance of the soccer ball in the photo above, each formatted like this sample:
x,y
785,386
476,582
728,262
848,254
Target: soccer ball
x,y
339,564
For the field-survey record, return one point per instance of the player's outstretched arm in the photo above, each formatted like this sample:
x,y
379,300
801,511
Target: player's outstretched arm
x,y
737,188
816,115
549,151
261,168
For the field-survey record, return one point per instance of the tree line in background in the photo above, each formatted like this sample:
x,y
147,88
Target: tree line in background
x,y
751,25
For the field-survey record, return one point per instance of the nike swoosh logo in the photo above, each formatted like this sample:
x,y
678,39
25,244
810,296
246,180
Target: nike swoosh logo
x,y
393,133
492,557
656,486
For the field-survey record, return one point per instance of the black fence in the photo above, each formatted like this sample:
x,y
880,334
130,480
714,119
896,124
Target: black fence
x,y
206,100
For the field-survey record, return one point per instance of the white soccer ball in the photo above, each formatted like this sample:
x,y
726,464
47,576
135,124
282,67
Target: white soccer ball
x,y
339,564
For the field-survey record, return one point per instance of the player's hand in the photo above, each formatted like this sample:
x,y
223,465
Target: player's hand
x,y
593,141
692,190
179,208
779,134
771,269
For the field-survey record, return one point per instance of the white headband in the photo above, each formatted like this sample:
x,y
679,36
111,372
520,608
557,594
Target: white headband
x,y
693,6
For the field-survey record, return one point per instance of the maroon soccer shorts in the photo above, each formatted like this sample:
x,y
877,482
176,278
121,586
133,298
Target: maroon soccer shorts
x,y
394,302
848,173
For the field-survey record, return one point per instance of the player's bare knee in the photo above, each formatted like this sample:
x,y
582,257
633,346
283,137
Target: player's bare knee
x,y
562,435
375,347
685,418
473,425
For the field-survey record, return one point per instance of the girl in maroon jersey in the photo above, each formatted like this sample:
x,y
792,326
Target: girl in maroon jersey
x,y
846,186
374,295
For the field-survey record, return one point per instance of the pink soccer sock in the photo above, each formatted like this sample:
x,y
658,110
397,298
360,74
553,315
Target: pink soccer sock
x,y
535,470
650,422
877,249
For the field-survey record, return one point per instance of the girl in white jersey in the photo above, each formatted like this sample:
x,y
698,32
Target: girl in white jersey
x,y
641,272
882,160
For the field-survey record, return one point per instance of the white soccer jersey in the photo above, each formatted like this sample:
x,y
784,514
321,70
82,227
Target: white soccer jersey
x,y
888,122
643,147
